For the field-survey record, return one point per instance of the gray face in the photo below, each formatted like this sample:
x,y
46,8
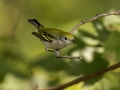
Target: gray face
x,y
65,40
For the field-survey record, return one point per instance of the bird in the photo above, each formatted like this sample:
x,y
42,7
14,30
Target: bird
x,y
53,39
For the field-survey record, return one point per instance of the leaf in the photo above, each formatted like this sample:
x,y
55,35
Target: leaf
x,y
112,45
101,30
97,64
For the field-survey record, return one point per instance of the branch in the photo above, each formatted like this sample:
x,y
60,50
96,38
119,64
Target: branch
x,y
69,57
83,78
57,55
94,18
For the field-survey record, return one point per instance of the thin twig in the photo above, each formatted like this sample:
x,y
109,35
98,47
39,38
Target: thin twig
x,y
83,78
69,57
57,55
94,18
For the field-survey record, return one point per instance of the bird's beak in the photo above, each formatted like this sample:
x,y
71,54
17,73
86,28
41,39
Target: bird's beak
x,y
73,41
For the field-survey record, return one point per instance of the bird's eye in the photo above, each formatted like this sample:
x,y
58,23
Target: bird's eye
x,y
65,38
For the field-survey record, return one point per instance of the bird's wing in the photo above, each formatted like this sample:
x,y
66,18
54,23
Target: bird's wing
x,y
43,35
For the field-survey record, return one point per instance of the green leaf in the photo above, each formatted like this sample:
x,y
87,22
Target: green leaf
x,y
101,30
112,46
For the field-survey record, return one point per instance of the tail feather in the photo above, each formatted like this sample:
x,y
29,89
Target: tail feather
x,y
35,23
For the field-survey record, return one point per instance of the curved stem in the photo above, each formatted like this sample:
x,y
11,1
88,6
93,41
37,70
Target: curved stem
x,y
94,18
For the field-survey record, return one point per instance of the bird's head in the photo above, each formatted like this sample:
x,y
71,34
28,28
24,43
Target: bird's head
x,y
67,38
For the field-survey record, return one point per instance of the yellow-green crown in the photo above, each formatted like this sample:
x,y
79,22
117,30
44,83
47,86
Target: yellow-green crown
x,y
68,35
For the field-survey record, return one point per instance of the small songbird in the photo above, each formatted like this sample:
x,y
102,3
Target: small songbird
x,y
53,39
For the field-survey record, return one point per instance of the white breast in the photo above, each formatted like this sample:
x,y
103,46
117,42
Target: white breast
x,y
57,44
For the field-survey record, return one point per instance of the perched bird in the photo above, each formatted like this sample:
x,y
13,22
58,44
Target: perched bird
x,y
53,39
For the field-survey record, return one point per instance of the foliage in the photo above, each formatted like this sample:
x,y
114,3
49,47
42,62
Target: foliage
x,y
23,57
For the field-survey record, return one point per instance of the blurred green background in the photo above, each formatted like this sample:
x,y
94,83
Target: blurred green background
x,y
24,62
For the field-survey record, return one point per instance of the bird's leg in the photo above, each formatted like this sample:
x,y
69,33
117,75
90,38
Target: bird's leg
x,y
57,52
46,49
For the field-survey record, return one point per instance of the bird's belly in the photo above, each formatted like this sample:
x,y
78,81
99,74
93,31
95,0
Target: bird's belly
x,y
54,45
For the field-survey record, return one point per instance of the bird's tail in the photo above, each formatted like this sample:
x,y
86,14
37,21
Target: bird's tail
x,y
35,23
